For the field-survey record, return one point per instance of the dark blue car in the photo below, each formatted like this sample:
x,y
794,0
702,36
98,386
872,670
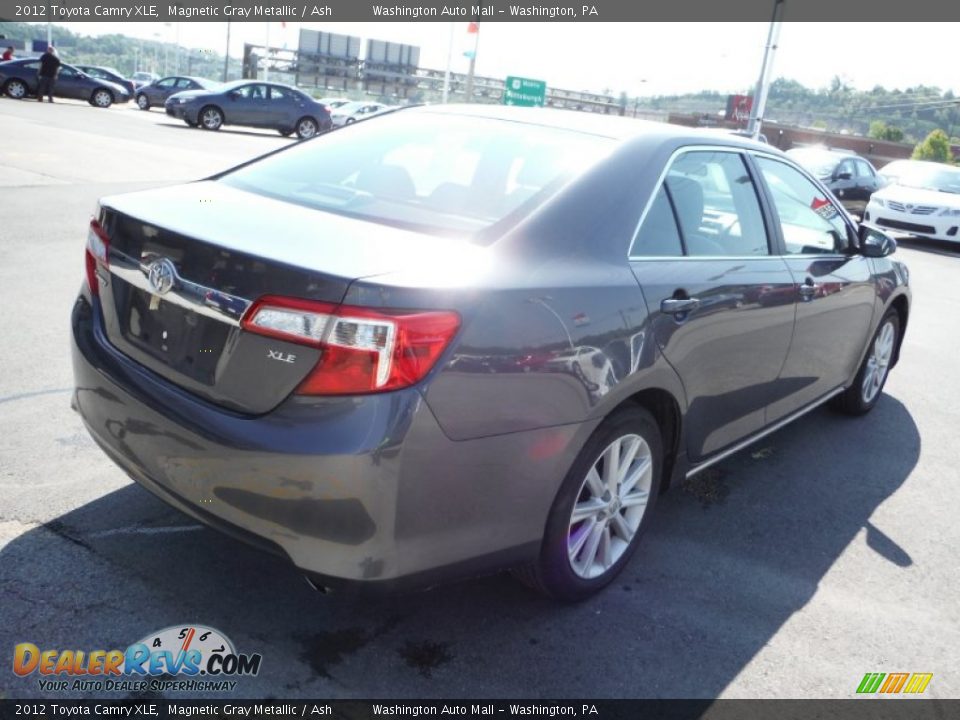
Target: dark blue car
x,y
19,79
254,104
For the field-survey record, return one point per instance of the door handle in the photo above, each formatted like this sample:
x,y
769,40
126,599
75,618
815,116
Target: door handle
x,y
676,306
808,290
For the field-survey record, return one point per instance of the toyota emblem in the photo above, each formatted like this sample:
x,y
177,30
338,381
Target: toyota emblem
x,y
161,274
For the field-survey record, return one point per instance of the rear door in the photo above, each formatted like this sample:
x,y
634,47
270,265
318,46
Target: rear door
x,y
721,301
281,108
836,293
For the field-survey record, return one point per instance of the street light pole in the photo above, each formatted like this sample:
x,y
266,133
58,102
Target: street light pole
x,y
475,31
226,54
763,84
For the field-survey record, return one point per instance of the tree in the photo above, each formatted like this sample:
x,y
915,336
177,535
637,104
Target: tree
x,y
936,147
881,131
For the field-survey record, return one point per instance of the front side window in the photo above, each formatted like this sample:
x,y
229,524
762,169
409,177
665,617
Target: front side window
x,y
67,73
864,170
252,92
446,174
167,83
810,221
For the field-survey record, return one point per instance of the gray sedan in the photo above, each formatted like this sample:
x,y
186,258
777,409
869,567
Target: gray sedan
x,y
157,92
19,79
255,104
463,339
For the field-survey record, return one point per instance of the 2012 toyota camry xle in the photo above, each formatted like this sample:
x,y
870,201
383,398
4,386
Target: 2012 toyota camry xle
x,y
456,340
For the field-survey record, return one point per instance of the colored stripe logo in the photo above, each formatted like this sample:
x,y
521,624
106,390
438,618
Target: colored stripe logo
x,y
894,683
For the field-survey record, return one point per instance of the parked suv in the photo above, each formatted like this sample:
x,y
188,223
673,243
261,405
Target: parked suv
x,y
467,338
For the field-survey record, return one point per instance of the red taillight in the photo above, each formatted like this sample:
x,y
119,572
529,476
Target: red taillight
x,y
97,252
363,350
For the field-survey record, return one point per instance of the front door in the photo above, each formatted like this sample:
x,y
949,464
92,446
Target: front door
x,y
835,290
721,302
70,84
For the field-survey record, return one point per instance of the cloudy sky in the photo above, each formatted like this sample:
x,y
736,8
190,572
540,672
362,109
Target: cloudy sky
x,y
639,58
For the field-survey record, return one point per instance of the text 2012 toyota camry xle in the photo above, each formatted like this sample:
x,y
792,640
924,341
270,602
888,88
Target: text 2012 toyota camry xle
x,y
465,339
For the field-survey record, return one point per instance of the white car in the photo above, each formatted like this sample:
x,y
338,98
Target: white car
x,y
924,201
334,102
354,111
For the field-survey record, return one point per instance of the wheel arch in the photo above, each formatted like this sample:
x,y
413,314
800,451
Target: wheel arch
x,y
665,408
901,304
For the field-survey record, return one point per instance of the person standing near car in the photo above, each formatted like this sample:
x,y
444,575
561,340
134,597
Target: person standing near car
x,y
49,69
7,54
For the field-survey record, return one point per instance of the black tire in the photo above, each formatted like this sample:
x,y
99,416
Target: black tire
x,y
101,98
856,400
350,121
210,117
16,89
553,573
307,127
143,102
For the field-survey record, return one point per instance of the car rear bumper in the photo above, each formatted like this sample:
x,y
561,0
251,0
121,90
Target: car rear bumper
x,y
359,490
931,226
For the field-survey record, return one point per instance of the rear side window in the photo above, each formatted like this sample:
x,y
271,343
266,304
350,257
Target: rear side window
x,y
432,172
714,206
659,236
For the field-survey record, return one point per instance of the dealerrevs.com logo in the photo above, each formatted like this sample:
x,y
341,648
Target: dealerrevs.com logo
x,y
190,658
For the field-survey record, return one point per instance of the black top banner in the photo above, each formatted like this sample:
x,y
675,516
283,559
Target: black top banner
x,y
863,709
482,10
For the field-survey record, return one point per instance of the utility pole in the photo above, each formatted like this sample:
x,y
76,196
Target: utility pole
x,y
446,75
763,84
266,65
226,54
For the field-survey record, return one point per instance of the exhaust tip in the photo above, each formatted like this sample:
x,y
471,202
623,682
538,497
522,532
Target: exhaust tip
x,y
322,589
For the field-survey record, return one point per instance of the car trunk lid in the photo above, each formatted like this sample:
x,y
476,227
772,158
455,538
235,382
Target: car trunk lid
x,y
186,262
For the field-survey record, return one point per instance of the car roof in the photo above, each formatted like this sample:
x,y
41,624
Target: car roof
x,y
612,126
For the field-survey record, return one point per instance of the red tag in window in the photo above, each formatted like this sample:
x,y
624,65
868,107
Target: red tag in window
x,y
824,208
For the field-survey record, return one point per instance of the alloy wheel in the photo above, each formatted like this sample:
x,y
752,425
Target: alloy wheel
x,y
610,506
101,98
878,363
211,119
306,128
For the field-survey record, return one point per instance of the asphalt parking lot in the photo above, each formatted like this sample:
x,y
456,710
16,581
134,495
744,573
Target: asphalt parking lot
x,y
827,551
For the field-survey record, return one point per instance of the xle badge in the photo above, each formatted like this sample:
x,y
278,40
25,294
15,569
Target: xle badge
x,y
281,356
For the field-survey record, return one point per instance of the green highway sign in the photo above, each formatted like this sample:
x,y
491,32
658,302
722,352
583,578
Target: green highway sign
x,y
524,91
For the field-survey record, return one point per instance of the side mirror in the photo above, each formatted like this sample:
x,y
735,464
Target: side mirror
x,y
233,95
842,175
874,242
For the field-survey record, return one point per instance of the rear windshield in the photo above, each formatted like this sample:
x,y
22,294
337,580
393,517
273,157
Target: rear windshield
x,y
436,173
819,163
